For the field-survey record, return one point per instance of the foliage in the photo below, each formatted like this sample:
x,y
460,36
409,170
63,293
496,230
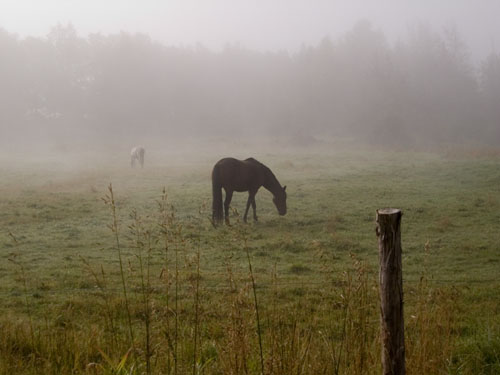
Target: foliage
x,y
421,91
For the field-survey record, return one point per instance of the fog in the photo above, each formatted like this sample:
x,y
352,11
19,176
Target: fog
x,y
400,74
262,25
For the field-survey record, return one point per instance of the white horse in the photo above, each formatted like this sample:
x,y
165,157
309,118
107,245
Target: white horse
x,y
137,153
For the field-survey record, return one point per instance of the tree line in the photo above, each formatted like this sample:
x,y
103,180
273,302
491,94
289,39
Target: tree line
x,y
421,89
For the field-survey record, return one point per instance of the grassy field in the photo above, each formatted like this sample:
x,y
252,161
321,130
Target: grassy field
x,y
154,288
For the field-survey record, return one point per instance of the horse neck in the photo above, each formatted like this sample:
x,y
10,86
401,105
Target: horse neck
x,y
272,184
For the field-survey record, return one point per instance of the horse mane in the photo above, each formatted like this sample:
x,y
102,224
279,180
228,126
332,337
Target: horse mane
x,y
265,167
269,172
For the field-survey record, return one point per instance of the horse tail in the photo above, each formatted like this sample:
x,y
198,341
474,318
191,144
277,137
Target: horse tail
x,y
217,211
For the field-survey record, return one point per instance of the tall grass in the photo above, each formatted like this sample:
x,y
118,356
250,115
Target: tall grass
x,y
109,200
165,220
432,314
16,259
109,311
241,320
142,241
255,300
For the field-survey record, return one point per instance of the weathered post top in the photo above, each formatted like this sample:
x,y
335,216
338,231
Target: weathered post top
x,y
388,211
388,219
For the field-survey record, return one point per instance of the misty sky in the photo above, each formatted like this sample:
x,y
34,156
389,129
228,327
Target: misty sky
x,y
256,24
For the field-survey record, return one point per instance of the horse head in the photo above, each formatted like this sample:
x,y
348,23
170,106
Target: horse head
x,y
279,200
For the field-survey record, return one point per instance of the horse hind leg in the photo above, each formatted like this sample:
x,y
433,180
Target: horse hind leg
x,y
227,202
217,209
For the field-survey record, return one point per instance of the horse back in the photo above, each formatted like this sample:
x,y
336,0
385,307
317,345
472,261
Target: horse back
x,y
239,175
138,150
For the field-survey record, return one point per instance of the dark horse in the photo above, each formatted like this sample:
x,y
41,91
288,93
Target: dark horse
x,y
243,175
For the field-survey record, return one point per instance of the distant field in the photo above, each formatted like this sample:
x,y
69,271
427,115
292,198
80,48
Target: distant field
x,y
315,269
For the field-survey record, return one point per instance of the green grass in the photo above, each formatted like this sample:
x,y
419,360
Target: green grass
x,y
306,265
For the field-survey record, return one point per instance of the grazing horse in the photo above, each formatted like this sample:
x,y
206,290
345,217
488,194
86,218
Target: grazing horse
x,y
137,153
243,175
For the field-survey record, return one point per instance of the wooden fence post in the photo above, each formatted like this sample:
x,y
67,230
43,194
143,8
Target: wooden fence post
x,y
391,291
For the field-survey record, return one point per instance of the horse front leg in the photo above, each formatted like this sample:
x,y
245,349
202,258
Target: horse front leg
x,y
227,202
249,202
254,207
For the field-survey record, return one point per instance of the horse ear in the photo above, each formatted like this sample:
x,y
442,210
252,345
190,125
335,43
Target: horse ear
x,y
284,188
